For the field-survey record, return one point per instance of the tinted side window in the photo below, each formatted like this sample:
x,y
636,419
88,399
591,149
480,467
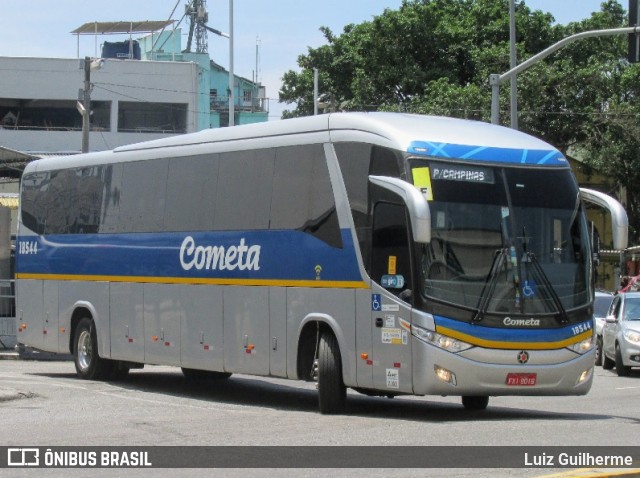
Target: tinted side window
x,y
385,162
110,220
302,194
63,202
191,193
244,190
354,160
87,207
390,245
59,202
30,201
142,201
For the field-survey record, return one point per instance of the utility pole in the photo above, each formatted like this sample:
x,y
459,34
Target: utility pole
x,y
634,40
513,63
315,92
86,105
232,112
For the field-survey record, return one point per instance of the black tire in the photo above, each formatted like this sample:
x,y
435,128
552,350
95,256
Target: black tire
x,y
475,402
621,370
598,351
195,374
119,370
607,363
332,393
89,365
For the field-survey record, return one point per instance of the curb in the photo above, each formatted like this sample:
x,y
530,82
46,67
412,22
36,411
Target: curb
x,y
34,355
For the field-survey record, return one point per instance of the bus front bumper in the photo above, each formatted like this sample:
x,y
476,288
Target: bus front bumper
x,y
498,372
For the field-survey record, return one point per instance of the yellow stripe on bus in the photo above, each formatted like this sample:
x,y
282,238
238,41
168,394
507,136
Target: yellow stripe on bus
x,y
497,344
198,281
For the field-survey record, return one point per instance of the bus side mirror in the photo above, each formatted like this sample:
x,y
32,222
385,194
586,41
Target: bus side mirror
x,y
619,220
417,205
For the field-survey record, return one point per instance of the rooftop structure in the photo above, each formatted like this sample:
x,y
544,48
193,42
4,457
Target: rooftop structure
x,y
147,88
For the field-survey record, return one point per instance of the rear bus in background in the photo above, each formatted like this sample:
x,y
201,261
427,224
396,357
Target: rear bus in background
x,y
389,253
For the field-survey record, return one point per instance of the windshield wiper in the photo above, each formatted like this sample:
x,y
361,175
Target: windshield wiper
x,y
490,284
548,288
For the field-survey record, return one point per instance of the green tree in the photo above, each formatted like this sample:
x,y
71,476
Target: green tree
x,y
395,59
435,57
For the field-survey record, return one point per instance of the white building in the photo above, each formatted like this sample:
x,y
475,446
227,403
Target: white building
x,y
131,101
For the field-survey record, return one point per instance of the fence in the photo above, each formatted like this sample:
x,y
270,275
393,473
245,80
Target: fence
x,y
7,314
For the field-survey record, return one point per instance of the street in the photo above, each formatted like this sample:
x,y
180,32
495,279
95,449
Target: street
x,y
44,404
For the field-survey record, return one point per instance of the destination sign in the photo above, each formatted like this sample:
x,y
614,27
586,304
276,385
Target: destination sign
x,y
458,172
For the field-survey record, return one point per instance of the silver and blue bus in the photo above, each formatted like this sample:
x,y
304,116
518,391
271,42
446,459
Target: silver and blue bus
x,y
387,253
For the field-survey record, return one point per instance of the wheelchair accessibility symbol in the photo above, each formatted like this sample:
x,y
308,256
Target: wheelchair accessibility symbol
x,y
376,302
529,288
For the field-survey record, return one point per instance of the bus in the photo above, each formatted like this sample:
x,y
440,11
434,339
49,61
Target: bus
x,y
388,253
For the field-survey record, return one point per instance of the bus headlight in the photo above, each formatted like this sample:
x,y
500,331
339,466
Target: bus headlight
x,y
441,341
584,346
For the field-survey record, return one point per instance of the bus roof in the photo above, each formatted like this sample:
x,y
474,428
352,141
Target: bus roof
x,y
420,135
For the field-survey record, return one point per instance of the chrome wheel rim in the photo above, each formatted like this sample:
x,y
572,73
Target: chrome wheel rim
x,y
85,350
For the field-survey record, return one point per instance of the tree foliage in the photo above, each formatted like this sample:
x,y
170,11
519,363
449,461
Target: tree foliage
x,y
435,57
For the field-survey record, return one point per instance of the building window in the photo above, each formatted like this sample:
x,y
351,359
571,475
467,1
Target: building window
x,y
139,117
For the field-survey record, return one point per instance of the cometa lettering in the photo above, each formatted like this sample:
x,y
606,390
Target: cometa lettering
x,y
521,322
241,257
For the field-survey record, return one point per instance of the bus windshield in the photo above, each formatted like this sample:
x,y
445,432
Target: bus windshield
x,y
505,240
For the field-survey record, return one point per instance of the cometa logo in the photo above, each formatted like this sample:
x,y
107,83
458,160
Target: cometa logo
x,y
521,322
241,257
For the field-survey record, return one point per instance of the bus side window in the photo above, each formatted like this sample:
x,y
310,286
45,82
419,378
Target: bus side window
x,y
385,162
390,253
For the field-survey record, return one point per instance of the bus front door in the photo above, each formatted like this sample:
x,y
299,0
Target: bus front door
x,y
390,299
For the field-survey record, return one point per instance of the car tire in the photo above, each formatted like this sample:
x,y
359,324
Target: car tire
x,y
479,402
598,350
621,369
332,393
119,370
607,363
89,365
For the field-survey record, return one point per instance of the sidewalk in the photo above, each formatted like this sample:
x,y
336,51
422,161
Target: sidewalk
x,y
28,353
6,393
8,354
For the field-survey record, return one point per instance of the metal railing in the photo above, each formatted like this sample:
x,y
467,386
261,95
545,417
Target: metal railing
x,y
7,314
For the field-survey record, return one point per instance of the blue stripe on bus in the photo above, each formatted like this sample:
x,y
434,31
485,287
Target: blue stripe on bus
x,y
512,334
547,157
254,255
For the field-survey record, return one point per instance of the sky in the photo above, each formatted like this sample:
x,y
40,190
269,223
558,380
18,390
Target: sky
x,y
283,29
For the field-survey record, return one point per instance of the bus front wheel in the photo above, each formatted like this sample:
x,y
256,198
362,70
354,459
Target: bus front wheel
x,y
89,365
332,393
475,402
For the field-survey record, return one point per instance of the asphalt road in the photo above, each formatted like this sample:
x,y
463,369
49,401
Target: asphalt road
x,y
42,403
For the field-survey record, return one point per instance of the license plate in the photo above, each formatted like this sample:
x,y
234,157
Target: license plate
x,y
521,379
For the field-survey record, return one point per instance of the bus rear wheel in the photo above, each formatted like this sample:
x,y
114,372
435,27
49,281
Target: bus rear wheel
x,y
332,393
89,365
119,370
475,402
